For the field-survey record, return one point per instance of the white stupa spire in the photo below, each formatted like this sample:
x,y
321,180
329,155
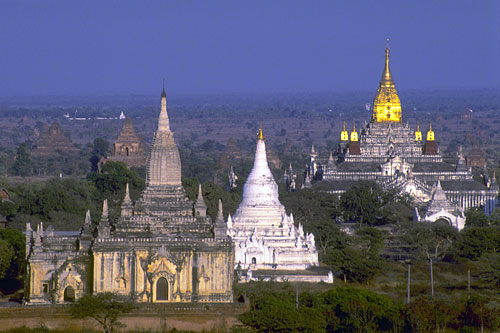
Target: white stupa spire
x,y
264,235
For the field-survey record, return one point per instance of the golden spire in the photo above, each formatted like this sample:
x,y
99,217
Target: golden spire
x,y
260,136
343,135
430,133
354,134
386,105
418,134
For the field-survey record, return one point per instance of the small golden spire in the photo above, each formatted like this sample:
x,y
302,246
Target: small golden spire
x,y
344,136
354,134
418,134
260,136
430,133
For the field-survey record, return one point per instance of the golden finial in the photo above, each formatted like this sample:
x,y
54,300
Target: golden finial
x,y
430,133
343,135
354,126
418,134
260,136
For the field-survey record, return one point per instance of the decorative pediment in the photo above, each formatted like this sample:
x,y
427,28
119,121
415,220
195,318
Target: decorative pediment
x,y
162,265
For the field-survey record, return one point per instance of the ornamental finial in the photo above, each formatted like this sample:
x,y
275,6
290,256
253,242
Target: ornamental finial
x,y
260,136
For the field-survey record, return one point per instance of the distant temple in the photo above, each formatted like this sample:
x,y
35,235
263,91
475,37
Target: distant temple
x,y
388,151
52,140
265,237
128,147
162,248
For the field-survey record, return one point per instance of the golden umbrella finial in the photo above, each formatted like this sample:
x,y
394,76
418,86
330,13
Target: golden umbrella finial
x,y
260,136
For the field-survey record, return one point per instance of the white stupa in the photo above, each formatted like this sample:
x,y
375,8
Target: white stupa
x,y
265,237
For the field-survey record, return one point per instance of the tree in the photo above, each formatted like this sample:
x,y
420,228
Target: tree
x,y
101,147
475,314
6,258
111,182
433,240
362,203
475,217
22,166
105,308
474,241
17,242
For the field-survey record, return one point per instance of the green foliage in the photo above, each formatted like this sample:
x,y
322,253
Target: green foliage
x,y
489,269
427,315
368,203
112,180
475,217
54,198
317,212
432,239
6,258
16,249
336,310
100,147
212,193
22,165
105,308
475,241
477,315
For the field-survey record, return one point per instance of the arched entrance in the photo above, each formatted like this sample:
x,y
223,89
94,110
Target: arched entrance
x,y
69,294
162,289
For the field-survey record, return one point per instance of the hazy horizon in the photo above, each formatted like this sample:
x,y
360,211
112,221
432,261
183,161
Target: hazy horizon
x,y
220,47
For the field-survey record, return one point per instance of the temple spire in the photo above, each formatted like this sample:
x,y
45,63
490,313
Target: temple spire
x,y
127,194
386,105
200,208
163,121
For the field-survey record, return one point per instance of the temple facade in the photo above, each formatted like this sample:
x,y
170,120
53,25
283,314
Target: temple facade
x,y
162,248
264,235
388,151
128,147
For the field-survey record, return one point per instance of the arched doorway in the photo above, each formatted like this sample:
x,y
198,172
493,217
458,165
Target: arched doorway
x,y
69,294
162,289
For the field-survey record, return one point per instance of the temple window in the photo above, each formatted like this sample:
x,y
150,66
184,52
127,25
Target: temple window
x,y
45,288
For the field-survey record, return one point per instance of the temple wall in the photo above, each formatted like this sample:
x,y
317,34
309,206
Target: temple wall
x,y
191,275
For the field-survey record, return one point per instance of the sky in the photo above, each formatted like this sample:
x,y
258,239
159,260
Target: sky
x,y
218,47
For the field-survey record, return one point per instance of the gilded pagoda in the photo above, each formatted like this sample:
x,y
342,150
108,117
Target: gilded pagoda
x,y
390,152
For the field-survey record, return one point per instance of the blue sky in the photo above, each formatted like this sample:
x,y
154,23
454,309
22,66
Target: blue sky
x,y
211,47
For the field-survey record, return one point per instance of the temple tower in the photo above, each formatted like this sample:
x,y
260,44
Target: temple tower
x,y
386,105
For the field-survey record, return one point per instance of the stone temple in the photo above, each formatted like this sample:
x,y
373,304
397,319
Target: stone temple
x,y
388,151
128,147
162,248
267,243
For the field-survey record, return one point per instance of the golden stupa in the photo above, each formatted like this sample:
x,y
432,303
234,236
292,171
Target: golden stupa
x,y
386,105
